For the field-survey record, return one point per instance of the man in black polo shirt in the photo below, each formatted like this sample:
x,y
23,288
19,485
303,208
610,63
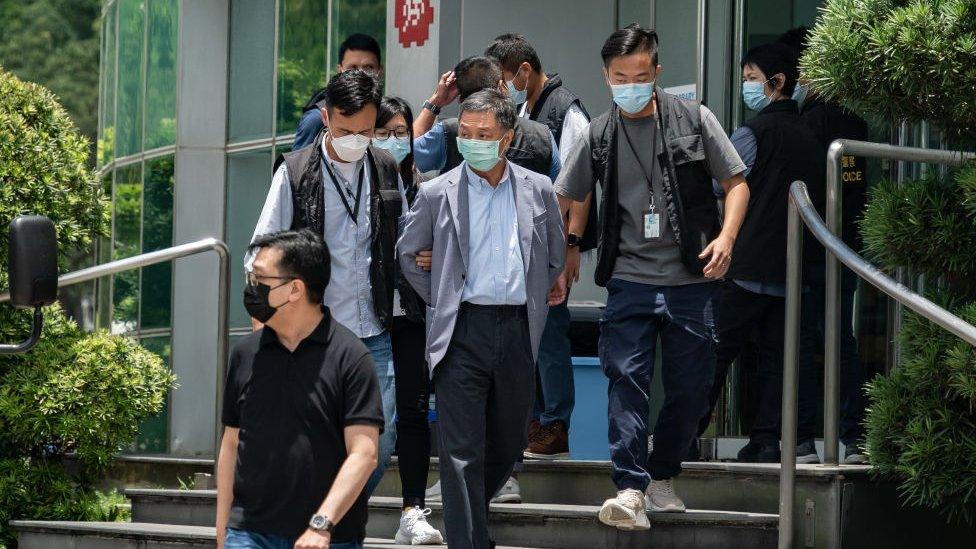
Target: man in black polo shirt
x,y
302,411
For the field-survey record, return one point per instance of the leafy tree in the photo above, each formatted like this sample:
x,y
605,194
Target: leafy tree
x,y
55,43
75,392
912,60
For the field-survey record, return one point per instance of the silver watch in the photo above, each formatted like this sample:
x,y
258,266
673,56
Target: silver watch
x,y
321,523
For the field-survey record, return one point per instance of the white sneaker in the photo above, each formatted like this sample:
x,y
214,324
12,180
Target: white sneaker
x,y
662,499
510,493
415,530
626,511
433,494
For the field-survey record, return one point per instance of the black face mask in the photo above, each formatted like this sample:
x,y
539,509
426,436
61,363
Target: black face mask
x,y
256,302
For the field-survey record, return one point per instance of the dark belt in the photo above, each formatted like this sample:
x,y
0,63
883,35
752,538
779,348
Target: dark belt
x,y
506,311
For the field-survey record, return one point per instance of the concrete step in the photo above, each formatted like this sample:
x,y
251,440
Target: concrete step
x,y
133,535
541,525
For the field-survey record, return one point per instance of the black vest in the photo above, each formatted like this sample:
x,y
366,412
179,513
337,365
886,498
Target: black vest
x,y
550,109
530,148
414,307
308,203
692,208
786,151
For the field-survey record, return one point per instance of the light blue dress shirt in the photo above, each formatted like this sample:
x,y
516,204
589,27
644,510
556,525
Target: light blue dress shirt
x,y
430,151
349,294
496,273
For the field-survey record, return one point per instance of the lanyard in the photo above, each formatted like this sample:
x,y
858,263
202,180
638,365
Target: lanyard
x,y
352,211
633,150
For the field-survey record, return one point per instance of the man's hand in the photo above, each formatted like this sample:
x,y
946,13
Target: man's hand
x,y
572,265
313,540
424,259
557,294
446,91
720,251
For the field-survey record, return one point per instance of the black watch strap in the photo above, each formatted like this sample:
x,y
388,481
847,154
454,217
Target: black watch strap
x,y
432,107
572,240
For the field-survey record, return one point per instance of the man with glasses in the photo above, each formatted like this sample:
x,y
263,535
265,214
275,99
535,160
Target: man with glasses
x,y
348,192
302,411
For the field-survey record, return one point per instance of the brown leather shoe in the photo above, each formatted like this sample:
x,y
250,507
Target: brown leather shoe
x,y
534,427
551,442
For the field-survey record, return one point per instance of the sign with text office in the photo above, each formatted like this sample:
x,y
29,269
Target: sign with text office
x,y
412,37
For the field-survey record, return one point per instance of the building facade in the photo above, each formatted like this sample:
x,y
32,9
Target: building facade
x,y
198,98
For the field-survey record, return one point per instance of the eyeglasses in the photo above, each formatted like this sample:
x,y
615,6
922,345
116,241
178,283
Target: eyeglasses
x,y
253,279
382,134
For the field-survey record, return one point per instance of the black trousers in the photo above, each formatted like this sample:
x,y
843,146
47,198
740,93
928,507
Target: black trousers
x,y
741,314
412,398
485,390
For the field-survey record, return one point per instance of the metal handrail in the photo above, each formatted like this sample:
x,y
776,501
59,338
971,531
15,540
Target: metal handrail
x,y
163,256
835,154
801,209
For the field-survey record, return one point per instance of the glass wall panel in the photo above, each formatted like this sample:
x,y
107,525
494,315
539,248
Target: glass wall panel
x,y
153,434
248,181
103,307
106,107
251,69
161,73
127,208
157,233
302,28
351,16
633,11
130,88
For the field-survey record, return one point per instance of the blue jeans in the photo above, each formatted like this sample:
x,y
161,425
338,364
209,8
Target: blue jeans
x,y
635,316
243,539
381,348
555,395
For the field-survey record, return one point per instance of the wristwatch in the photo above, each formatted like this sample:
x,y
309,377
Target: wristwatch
x,y
321,523
432,108
572,240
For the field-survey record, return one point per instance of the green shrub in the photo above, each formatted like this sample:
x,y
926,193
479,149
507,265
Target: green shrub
x,y
74,392
898,59
921,427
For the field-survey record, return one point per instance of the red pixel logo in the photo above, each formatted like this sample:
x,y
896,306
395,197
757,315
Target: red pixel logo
x,y
413,19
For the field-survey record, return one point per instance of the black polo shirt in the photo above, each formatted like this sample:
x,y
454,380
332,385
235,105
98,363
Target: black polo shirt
x,y
291,408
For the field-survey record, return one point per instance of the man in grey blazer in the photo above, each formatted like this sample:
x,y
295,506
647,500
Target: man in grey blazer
x,y
498,255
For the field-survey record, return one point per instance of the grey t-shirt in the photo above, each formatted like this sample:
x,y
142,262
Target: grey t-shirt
x,y
647,261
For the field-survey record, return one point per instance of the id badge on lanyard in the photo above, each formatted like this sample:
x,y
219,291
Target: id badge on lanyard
x,y
652,222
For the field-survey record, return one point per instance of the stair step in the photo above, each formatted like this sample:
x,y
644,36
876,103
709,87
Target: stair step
x,y
537,524
36,534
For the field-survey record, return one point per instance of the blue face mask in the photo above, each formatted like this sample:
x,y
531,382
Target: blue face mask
x,y
753,95
480,155
632,98
517,96
800,93
399,147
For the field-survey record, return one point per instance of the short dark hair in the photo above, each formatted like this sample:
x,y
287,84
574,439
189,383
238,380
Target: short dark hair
x,y
304,255
773,59
475,74
796,38
630,40
511,50
360,42
351,91
389,107
495,102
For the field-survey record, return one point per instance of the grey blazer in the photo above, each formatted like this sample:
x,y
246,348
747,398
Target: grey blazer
x,y
438,221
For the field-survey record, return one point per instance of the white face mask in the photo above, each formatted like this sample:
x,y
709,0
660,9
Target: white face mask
x,y
350,148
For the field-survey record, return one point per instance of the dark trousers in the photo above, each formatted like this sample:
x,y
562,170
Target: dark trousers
x,y
811,344
485,387
555,390
741,315
412,398
635,316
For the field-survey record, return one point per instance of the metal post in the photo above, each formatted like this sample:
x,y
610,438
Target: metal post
x,y
832,316
791,360
701,53
739,45
901,274
223,281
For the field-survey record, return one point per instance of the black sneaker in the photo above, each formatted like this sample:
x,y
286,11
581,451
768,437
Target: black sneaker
x,y
694,452
806,452
759,452
853,455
